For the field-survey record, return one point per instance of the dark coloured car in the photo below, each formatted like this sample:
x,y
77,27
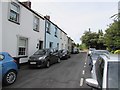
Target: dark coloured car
x,y
64,54
75,51
43,58
8,69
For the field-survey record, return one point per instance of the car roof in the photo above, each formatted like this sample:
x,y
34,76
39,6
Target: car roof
x,y
101,50
111,57
3,53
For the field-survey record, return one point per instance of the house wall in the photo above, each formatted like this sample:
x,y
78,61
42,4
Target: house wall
x,y
51,37
0,27
119,10
63,40
12,31
69,44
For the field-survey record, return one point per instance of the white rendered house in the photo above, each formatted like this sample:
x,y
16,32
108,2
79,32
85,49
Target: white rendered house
x,y
22,29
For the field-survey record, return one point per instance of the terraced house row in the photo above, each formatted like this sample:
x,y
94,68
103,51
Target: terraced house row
x,y
24,31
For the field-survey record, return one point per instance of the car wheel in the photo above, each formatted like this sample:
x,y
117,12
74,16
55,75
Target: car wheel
x,y
59,60
10,77
48,64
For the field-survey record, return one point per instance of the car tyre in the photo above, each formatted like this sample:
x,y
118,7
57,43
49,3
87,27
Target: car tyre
x,y
48,64
59,60
10,77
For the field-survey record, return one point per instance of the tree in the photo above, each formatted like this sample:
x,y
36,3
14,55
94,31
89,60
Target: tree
x,y
77,45
112,36
93,39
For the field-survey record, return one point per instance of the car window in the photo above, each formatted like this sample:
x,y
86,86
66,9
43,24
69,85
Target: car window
x,y
1,57
99,68
64,51
40,52
113,75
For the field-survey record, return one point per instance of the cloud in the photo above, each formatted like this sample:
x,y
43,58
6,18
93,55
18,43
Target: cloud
x,y
72,0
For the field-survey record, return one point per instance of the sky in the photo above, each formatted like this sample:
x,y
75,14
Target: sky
x,y
77,16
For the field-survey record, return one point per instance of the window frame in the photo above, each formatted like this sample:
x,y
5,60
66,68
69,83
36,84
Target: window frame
x,y
48,25
60,34
17,13
50,44
26,46
56,32
34,24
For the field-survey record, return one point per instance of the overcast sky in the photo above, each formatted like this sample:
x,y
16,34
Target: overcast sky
x,y
76,16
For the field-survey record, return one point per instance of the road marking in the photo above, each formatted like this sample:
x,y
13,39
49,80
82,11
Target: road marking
x,y
83,72
84,66
85,63
81,81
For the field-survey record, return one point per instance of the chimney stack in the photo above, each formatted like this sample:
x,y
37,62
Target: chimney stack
x,y
27,3
47,16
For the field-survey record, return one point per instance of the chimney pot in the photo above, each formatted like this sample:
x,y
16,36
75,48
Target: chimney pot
x,y
48,17
27,3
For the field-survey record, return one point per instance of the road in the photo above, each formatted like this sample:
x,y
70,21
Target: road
x,y
69,73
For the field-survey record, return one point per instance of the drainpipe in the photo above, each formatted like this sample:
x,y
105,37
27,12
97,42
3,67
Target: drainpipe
x,y
45,36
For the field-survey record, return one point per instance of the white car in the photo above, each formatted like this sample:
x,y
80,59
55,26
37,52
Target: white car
x,y
105,73
95,54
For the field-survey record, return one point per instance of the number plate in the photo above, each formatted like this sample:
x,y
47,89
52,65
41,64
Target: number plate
x,y
32,62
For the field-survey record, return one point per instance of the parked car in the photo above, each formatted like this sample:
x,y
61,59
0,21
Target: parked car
x,y
75,51
43,58
9,68
64,54
90,51
95,54
105,73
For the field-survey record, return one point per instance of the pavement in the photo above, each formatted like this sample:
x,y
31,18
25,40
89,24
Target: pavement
x,y
69,73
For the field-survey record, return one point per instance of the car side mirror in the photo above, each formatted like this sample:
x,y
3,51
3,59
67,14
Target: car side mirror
x,y
92,83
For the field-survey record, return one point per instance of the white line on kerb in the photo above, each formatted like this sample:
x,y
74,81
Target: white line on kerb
x,y
83,72
81,81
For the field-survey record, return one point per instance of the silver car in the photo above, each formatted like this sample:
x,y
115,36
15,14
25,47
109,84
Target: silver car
x,y
105,73
95,54
90,51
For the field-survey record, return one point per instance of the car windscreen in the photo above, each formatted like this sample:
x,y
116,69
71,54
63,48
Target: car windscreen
x,y
113,75
94,56
64,51
40,52
101,52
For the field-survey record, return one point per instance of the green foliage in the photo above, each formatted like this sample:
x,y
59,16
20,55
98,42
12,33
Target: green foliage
x,y
77,44
82,47
112,52
93,39
112,36
117,52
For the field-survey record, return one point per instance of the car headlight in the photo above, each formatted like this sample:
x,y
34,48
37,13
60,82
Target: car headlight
x,y
42,57
64,54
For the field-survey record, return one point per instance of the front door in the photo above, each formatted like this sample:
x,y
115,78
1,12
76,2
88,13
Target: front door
x,y
40,44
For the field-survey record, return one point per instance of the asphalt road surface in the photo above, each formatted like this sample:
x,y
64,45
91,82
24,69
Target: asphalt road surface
x,y
69,73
